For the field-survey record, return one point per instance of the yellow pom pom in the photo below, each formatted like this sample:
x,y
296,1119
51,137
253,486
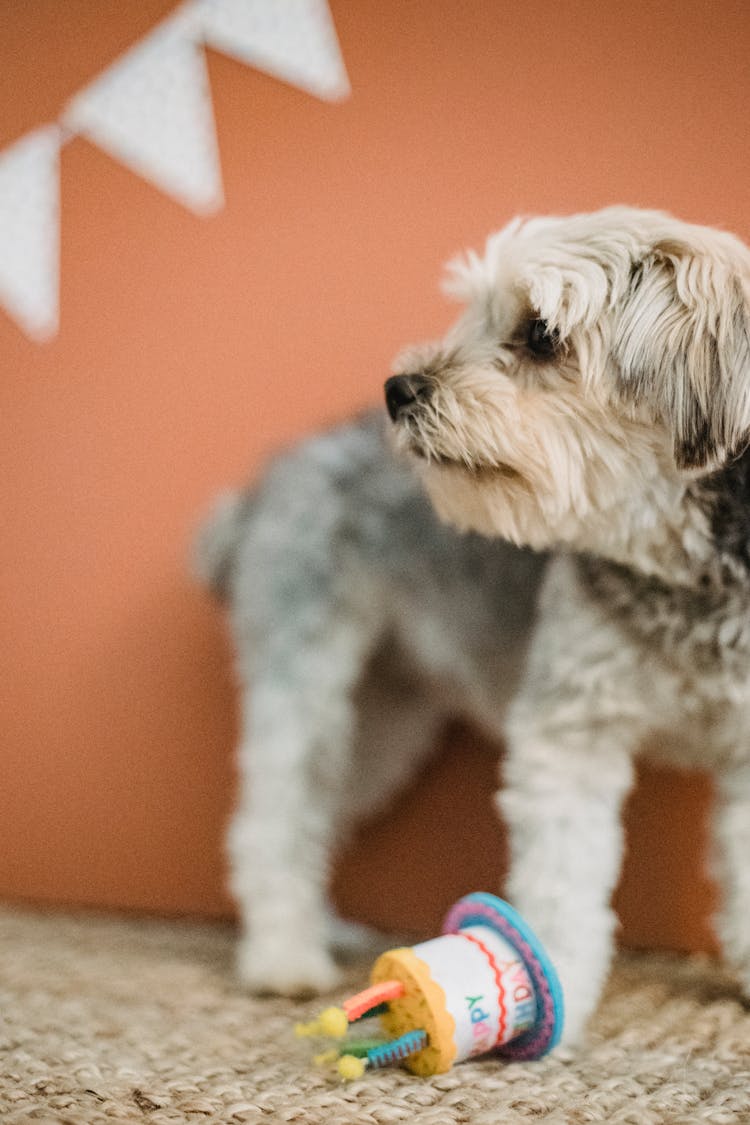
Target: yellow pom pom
x,y
333,1022
350,1067
326,1058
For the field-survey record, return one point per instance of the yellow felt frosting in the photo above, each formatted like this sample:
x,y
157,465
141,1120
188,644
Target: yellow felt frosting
x,y
422,1006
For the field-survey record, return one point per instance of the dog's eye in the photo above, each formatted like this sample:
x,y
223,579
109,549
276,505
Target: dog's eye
x,y
540,339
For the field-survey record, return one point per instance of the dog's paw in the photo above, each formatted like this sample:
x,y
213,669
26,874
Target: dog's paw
x,y
282,969
580,995
574,1028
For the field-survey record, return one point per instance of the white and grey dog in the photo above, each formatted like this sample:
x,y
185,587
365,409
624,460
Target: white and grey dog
x,y
592,400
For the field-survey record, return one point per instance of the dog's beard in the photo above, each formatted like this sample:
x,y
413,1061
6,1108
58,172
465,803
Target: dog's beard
x,y
494,504
548,469
538,467
645,526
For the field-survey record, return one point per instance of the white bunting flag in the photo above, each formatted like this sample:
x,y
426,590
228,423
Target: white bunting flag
x,y
152,111
293,40
29,231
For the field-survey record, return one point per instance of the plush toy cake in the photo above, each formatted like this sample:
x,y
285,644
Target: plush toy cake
x,y
486,984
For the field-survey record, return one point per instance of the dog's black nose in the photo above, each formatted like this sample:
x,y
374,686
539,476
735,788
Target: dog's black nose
x,y
403,391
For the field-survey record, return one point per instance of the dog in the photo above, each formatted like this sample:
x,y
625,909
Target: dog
x,y
547,531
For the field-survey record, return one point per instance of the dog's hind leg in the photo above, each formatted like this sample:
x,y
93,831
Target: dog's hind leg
x,y
295,763
401,713
732,866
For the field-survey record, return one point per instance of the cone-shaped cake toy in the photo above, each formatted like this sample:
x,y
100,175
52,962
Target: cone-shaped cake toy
x,y
485,985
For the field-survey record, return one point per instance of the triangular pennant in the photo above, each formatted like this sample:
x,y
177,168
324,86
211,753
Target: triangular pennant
x,y
29,231
293,40
152,111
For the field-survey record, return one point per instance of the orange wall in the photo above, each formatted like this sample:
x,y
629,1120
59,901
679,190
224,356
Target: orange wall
x,y
189,349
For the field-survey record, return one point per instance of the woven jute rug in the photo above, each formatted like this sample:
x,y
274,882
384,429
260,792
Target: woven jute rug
x,y
106,1019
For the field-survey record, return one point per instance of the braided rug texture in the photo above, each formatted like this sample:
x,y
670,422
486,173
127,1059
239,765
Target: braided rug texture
x,y
109,1019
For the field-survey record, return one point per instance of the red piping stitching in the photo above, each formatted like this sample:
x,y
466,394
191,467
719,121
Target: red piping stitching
x,y
498,981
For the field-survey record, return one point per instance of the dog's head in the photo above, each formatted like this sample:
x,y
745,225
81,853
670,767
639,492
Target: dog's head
x,y
602,363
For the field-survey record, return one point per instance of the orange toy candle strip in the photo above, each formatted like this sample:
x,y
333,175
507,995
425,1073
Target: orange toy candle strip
x,y
356,1006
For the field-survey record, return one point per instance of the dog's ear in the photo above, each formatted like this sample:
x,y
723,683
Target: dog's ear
x,y
682,346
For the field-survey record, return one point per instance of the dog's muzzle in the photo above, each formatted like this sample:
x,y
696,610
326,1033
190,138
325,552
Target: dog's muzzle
x,y
405,392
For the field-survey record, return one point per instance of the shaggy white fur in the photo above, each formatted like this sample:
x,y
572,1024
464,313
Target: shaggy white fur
x,y
593,399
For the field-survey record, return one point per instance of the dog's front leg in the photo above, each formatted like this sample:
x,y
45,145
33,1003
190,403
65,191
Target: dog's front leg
x,y
732,865
564,788
571,732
